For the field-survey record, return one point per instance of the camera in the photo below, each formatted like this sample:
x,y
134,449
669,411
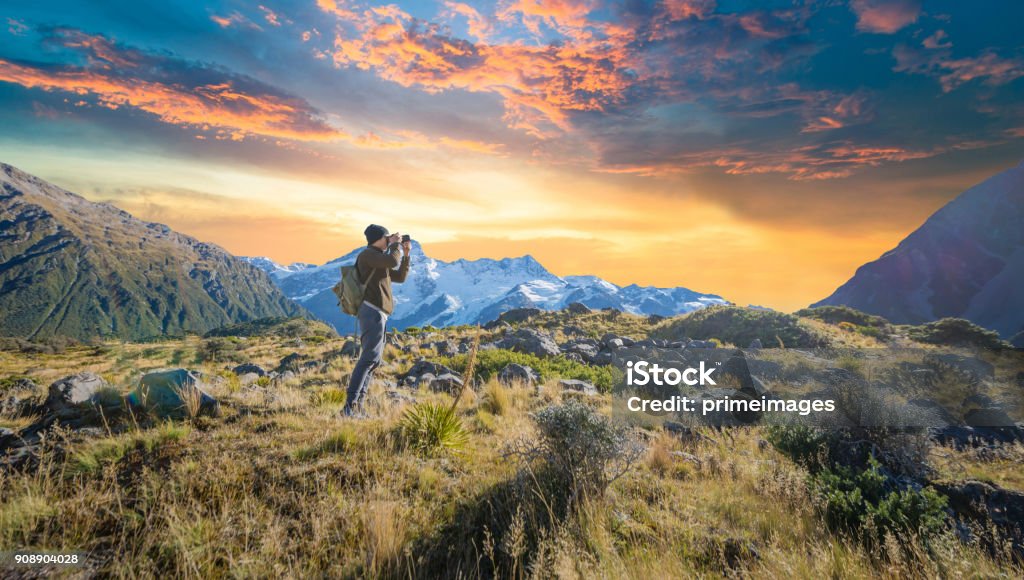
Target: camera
x,y
405,238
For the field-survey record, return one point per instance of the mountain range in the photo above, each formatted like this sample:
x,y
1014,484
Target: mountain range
x,y
443,293
75,268
965,261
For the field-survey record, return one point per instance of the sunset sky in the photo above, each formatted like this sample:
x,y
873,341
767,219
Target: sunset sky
x,y
756,150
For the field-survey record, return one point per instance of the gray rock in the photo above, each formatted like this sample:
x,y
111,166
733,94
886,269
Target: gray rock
x,y
515,373
170,393
573,330
578,308
73,392
755,344
991,417
446,383
530,341
422,367
400,397
586,348
517,315
578,386
249,368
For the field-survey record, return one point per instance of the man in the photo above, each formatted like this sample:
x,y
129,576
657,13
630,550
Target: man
x,y
380,264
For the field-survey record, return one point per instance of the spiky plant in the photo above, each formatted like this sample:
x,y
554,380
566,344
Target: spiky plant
x,y
433,428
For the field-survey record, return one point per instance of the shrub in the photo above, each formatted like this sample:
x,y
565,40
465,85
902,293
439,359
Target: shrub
x,y
805,445
956,332
741,326
863,503
849,319
490,362
217,349
432,428
583,449
295,327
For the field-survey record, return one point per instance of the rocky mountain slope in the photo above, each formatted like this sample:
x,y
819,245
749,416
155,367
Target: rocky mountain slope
x,y
76,268
469,291
966,261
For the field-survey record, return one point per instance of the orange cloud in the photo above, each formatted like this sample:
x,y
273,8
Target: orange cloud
x,y
885,16
218,106
540,85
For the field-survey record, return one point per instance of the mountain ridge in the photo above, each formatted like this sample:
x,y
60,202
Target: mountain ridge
x,y
965,261
81,269
465,291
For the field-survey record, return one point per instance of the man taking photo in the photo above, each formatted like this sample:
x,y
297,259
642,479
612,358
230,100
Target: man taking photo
x,y
385,260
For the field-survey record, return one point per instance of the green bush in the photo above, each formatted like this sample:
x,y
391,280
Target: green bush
x,y
279,326
863,503
433,428
490,362
805,445
956,332
740,326
849,318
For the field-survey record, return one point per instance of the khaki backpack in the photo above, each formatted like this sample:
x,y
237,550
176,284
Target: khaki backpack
x,y
350,291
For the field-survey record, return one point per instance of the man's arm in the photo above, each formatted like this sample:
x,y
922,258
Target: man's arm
x,y
402,271
389,259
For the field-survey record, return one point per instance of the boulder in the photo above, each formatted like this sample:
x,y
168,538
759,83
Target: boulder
x,y
515,373
577,386
655,318
985,505
701,344
587,348
518,315
578,308
171,393
73,393
413,376
447,383
291,362
249,368
349,349
622,340
573,330
400,397
530,341
990,417
755,344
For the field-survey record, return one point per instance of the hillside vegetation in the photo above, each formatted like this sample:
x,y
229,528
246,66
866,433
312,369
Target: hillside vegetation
x,y
500,479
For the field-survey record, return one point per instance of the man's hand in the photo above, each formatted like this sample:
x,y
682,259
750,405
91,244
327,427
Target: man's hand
x,y
394,239
406,247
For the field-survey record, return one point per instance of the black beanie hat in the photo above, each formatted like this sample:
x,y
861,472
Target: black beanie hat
x,y
373,232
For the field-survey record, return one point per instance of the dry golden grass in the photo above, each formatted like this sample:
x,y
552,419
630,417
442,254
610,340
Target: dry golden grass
x,y
281,486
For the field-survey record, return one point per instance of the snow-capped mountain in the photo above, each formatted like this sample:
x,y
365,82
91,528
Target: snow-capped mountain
x,y
470,291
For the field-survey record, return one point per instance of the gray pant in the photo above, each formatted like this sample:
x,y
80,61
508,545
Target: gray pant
x,y
371,337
